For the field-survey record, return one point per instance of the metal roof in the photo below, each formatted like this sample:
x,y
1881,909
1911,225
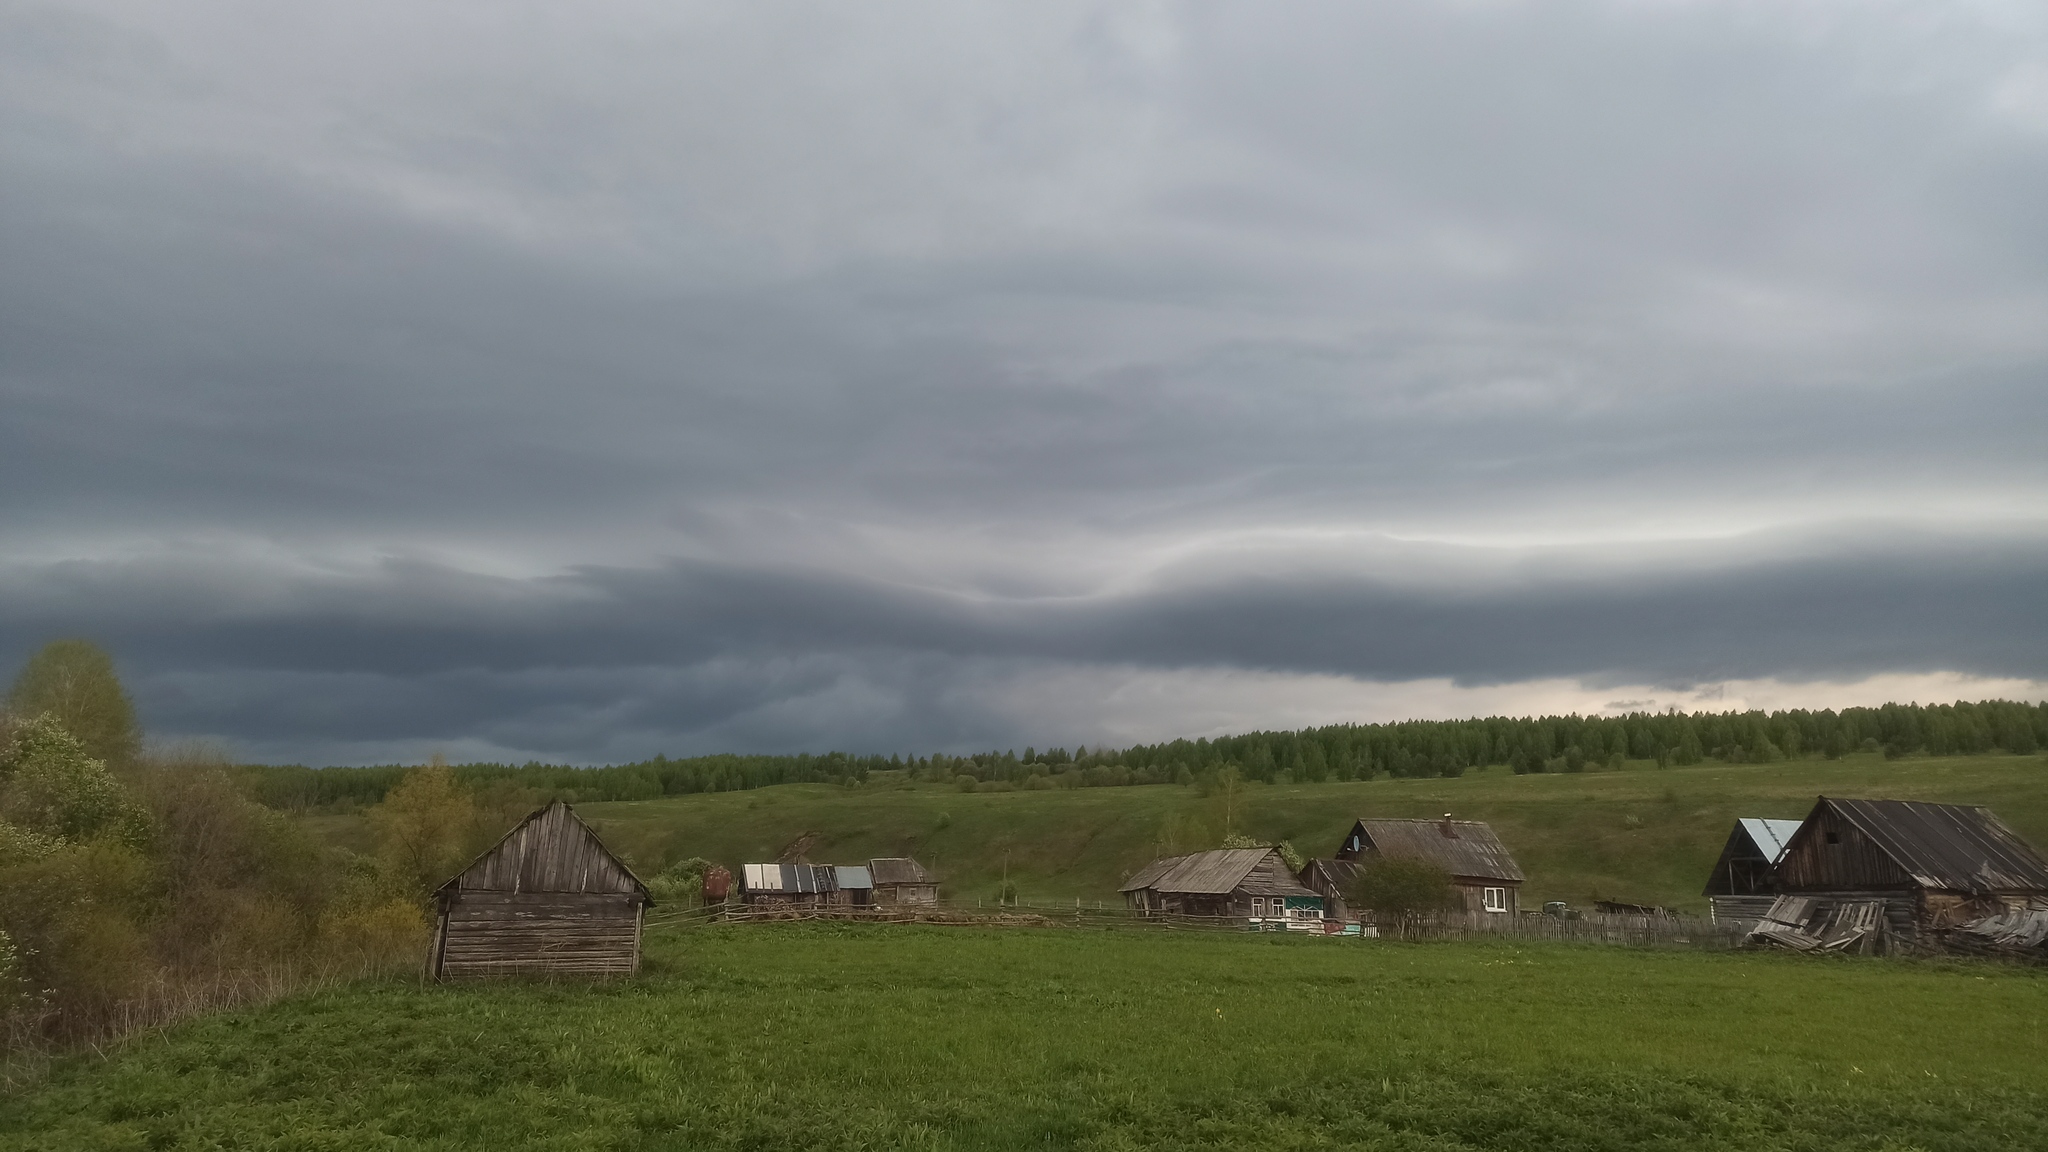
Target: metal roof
x,y
898,870
853,877
1217,873
1460,847
795,879
1769,836
1947,846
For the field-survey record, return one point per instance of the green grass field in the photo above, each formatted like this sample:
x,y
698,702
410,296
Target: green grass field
x,y
1640,834
880,1036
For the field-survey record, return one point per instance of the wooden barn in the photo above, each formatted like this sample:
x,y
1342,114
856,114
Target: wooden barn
x,y
1249,883
1482,870
1745,879
900,880
548,898
1908,868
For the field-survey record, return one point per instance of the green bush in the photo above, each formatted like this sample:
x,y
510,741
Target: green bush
x,y
1397,891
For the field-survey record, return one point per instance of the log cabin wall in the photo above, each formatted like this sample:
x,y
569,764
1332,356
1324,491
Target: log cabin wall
x,y
570,934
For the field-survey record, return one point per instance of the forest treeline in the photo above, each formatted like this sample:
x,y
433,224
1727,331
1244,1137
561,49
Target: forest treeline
x,y
1335,752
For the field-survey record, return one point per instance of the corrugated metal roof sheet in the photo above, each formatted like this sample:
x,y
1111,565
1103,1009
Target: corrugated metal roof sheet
x,y
898,870
1948,846
854,876
795,879
1471,849
1769,836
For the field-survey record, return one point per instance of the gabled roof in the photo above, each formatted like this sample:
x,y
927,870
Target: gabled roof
x,y
552,850
1217,873
1770,836
1338,872
898,870
1953,847
1466,848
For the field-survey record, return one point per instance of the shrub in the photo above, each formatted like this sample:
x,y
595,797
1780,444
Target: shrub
x,y
681,882
1397,891
52,787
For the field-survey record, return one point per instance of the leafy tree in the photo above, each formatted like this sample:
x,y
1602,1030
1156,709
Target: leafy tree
x,y
50,787
425,827
1291,854
1397,891
74,681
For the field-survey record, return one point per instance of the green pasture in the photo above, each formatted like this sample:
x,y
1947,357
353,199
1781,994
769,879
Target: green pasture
x,y
1641,834
892,1036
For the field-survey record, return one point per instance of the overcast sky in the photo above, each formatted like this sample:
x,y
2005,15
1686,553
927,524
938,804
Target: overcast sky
x,y
586,381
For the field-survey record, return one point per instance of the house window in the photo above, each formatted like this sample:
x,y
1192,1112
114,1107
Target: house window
x,y
1496,899
1258,905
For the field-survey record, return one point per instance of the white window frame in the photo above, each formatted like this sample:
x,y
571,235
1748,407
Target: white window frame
x,y
1495,899
1259,907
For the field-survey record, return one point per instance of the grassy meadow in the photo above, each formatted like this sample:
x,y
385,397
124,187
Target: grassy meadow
x,y
891,1036
1641,834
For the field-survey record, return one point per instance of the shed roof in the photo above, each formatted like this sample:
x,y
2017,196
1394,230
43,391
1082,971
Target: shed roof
x,y
1215,873
1954,847
1459,847
552,850
851,877
898,870
1769,836
795,879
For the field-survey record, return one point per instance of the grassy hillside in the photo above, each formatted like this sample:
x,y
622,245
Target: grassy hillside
x,y
850,1037
1640,834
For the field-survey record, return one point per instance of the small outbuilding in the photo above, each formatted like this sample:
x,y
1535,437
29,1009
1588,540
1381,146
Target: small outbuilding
x,y
1927,867
794,887
1249,883
547,898
1481,869
1744,880
899,880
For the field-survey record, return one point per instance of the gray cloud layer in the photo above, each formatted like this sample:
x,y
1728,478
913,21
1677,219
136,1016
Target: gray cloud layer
x,y
666,377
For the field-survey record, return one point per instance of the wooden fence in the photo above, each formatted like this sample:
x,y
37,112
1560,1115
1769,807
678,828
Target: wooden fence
x,y
1592,928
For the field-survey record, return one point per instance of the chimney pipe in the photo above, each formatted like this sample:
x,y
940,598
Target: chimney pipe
x,y
1449,832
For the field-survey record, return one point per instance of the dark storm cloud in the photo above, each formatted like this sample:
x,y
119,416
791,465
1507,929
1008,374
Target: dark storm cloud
x,y
579,382
672,655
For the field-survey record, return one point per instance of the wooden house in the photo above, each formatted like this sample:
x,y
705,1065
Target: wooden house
x,y
547,898
900,880
1924,867
1481,869
1249,883
1745,879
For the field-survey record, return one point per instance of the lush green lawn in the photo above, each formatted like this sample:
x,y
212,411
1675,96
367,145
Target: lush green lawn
x,y
847,1037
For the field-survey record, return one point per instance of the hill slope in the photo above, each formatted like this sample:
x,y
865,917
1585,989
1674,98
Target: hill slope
x,y
1641,834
